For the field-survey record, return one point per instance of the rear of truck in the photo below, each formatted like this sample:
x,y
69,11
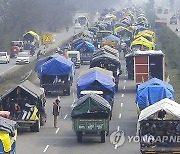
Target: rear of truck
x,y
92,127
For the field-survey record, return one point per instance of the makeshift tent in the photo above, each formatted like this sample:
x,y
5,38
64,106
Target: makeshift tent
x,y
90,104
112,38
120,28
101,70
149,37
151,112
30,35
141,18
8,126
155,81
143,42
43,60
152,93
57,66
106,58
95,81
110,17
86,44
25,89
110,50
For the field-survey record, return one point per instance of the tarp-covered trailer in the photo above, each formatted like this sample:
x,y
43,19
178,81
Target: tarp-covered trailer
x,y
109,62
158,128
56,75
8,135
26,104
153,91
86,50
91,115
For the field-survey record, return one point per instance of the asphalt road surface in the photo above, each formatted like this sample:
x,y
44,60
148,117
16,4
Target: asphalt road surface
x,y
62,140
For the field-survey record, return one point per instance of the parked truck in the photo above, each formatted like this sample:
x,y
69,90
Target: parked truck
x,y
90,115
143,65
26,104
56,75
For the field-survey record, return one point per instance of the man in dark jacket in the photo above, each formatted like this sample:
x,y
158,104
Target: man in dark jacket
x,y
56,111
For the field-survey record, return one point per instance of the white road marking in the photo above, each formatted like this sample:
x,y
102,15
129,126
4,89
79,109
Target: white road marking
x,y
57,131
74,99
124,80
115,147
124,87
119,115
118,128
121,104
122,95
65,116
45,149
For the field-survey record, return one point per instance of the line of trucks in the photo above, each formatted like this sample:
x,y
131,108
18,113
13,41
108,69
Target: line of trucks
x,y
128,31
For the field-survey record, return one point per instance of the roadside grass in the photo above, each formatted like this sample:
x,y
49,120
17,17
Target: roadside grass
x,y
168,42
175,82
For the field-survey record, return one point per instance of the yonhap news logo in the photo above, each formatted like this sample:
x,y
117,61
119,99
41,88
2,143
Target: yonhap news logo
x,y
118,138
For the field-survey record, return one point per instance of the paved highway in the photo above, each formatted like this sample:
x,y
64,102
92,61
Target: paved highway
x,y
63,140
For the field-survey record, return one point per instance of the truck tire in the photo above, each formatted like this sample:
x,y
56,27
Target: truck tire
x,y
79,136
103,137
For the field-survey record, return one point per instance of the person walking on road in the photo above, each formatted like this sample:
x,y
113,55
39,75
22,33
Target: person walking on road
x,y
56,111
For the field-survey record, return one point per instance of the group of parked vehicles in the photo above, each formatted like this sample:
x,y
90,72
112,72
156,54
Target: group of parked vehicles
x,y
100,47
21,50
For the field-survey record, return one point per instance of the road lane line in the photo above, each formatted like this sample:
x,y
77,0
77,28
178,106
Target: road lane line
x,y
119,115
124,80
74,99
65,116
115,147
57,131
121,104
122,95
47,146
118,128
124,87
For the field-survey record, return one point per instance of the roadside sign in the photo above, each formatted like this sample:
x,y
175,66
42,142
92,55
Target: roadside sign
x,y
47,39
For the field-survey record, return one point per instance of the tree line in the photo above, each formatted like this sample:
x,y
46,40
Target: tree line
x,y
19,16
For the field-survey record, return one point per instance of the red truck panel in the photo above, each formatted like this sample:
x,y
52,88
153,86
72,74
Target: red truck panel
x,y
141,68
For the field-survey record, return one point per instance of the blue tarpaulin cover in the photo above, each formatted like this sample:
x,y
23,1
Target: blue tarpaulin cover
x,y
57,66
90,46
149,93
155,81
43,60
87,82
112,38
